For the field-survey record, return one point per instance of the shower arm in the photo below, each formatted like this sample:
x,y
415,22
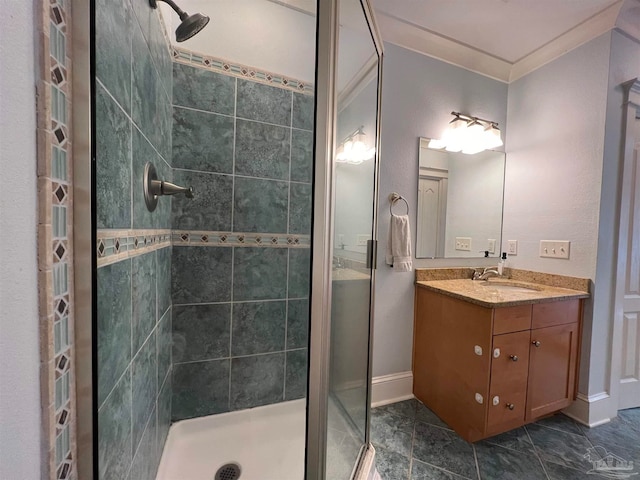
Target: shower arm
x,y
181,13
160,187
153,187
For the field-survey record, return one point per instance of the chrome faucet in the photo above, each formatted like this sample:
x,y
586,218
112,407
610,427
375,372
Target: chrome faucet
x,y
486,274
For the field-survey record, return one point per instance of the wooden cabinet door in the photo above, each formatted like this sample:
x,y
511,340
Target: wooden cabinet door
x,y
552,369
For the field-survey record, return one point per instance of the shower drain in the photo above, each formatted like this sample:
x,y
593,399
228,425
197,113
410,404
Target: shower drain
x,y
229,471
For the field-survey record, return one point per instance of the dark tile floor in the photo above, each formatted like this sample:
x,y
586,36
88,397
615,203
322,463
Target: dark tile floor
x,y
412,443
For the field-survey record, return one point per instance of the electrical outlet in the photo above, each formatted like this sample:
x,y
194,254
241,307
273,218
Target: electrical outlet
x,y
555,248
362,239
463,243
491,245
512,247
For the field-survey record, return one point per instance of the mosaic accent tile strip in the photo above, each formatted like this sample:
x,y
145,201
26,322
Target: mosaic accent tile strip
x,y
115,245
221,239
55,240
188,57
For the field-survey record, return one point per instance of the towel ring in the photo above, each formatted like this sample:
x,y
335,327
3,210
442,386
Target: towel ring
x,y
393,198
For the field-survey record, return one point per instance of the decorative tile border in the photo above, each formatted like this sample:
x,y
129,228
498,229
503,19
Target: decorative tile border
x,y
115,245
55,240
236,239
188,57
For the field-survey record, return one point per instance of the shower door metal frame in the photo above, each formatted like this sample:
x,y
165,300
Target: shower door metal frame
x,y
84,235
322,236
377,40
321,248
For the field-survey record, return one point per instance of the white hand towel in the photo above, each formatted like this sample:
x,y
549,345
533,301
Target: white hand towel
x,y
399,244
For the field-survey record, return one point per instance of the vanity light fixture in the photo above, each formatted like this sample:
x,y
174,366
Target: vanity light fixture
x,y
468,135
354,149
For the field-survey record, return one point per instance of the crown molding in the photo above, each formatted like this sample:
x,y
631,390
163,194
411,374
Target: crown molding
x,y
579,35
421,40
629,19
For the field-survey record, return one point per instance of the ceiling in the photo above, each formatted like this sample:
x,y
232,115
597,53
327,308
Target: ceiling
x,y
503,39
507,29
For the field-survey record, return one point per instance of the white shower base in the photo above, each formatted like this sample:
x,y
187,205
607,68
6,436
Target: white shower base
x,y
268,443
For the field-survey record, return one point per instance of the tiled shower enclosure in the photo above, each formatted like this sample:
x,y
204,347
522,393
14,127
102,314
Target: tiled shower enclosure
x,y
240,287
202,304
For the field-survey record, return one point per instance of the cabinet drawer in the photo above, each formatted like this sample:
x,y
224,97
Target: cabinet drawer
x,y
501,417
511,367
511,319
555,313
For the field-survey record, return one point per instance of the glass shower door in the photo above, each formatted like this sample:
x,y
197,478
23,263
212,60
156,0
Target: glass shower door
x,y
354,189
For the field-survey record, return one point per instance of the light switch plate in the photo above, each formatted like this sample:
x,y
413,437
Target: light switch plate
x,y
463,243
555,248
362,239
491,245
512,247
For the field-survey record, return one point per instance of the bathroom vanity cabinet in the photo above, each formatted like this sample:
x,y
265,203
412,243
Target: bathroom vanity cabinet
x,y
485,370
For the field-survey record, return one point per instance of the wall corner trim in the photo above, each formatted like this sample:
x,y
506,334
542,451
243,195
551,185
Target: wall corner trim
x,y
391,388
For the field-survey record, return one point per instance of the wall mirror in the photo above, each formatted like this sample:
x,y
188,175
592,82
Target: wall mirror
x,y
460,200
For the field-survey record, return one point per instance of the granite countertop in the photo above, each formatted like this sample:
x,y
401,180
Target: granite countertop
x,y
489,293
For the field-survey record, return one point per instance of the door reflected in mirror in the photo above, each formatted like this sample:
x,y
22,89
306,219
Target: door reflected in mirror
x,y
460,202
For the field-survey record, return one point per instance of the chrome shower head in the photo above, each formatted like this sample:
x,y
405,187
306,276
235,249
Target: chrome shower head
x,y
191,24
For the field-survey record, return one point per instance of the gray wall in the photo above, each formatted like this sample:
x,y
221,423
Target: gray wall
x,y
418,96
582,145
240,313
554,172
19,346
133,123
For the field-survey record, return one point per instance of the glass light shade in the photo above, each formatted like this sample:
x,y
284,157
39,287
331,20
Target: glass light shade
x,y
371,153
360,136
340,156
454,135
473,140
493,138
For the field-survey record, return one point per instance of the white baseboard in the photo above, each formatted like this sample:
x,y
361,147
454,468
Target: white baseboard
x,y
590,410
391,388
